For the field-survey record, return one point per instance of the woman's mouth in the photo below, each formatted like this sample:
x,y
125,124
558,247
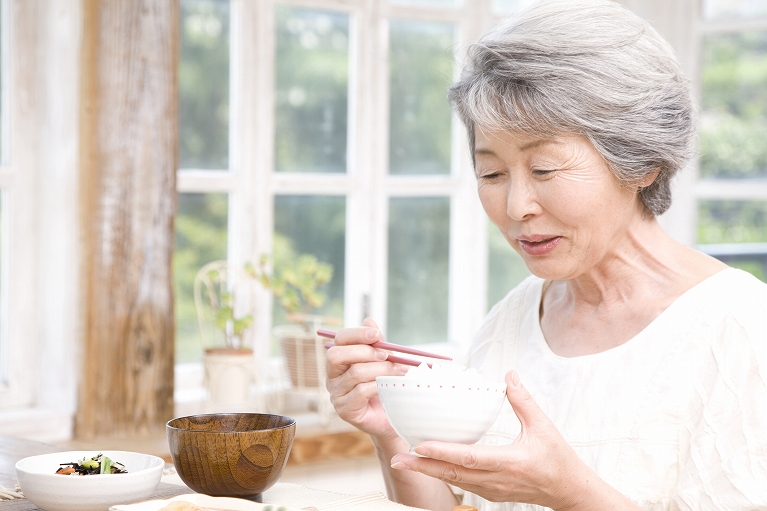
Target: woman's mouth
x,y
539,245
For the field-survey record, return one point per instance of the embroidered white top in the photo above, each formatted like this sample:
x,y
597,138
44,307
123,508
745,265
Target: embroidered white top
x,y
675,418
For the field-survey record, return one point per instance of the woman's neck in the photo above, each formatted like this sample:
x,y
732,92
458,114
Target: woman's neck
x,y
616,299
646,256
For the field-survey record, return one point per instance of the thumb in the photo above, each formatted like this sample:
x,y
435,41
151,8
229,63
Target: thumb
x,y
369,322
527,410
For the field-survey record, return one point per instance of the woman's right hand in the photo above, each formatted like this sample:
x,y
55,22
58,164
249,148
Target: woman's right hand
x,y
352,367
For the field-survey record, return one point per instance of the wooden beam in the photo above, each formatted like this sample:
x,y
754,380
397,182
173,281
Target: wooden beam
x,y
128,157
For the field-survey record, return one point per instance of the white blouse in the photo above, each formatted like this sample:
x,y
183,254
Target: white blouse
x,y
675,418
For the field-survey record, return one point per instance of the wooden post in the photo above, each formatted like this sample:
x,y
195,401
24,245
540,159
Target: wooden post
x,y
128,154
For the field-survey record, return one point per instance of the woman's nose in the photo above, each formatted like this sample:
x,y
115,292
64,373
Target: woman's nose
x,y
522,201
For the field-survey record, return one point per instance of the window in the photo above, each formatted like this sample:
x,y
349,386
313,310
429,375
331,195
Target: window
x,y
324,128
203,180
732,191
201,237
204,85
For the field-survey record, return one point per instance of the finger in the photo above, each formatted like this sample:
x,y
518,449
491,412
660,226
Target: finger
x,y
341,358
362,373
492,485
356,405
448,472
357,397
355,354
478,457
368,333
527,410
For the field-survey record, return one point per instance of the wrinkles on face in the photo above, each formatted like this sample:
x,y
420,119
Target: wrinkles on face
x,y
559,187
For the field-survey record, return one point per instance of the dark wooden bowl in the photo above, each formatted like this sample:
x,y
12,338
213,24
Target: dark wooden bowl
x,y
230,454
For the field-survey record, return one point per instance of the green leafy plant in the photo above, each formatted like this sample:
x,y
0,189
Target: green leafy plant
x,y
294,279
225,319
215,289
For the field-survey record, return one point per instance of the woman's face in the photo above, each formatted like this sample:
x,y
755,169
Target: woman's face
x,y
555,200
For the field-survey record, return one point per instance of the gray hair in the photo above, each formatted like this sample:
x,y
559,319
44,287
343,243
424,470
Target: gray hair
x,y
589,68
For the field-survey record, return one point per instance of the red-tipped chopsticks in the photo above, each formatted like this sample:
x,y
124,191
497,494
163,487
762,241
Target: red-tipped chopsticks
x,y
391,347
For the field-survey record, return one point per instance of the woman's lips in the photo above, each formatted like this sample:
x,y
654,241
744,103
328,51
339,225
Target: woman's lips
x,y
541,246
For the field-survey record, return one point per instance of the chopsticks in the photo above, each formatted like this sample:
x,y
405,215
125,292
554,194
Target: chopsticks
x,y
391,347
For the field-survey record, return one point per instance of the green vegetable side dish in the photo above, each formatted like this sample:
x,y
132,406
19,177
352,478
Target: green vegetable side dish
x,y
98,464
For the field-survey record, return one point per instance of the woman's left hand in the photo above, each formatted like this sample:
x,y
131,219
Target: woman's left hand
x,y
539,467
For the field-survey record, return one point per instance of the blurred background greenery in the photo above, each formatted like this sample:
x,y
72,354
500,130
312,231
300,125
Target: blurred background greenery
x,y
203,85
311,90
733,138
201,237
314,225
733,125
420,71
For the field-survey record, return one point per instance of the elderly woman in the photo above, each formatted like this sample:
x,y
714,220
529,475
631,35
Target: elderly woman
x,y
636,367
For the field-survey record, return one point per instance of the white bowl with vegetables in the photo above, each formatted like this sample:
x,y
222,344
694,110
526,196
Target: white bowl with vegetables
x,y
95,491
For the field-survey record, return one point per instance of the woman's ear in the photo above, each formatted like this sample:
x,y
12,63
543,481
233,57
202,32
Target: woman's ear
x,y
649,179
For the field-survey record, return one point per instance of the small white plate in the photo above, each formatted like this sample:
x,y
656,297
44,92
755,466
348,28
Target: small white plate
x,y
206,501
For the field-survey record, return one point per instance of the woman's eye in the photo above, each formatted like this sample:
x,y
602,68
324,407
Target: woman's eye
x,y
490,175
542,172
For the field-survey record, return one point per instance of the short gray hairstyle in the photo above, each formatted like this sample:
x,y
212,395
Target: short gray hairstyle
x,y
589,68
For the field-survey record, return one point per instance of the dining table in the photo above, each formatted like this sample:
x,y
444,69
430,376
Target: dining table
x,y
293,495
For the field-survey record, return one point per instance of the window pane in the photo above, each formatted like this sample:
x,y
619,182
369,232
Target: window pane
x,y
311,90
722,221
421,67
733,125
419,235
204,85
511,6
201,237
429,3
313,225
731,9
739,230
506,268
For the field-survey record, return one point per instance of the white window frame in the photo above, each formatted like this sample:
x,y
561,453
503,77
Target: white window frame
x,y
252,184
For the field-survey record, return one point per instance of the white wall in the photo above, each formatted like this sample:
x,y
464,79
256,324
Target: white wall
x,y
44,301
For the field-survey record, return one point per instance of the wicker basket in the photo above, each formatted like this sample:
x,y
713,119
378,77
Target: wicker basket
x,y
304,356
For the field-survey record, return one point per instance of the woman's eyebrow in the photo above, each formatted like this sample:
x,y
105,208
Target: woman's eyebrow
x,y
538,143
524,147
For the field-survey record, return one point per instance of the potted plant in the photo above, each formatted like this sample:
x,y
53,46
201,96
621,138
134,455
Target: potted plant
x,y
220,302
296,282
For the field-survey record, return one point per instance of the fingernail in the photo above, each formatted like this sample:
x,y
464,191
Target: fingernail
x,y
423,451
381,354
372,333
515,378
397,463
